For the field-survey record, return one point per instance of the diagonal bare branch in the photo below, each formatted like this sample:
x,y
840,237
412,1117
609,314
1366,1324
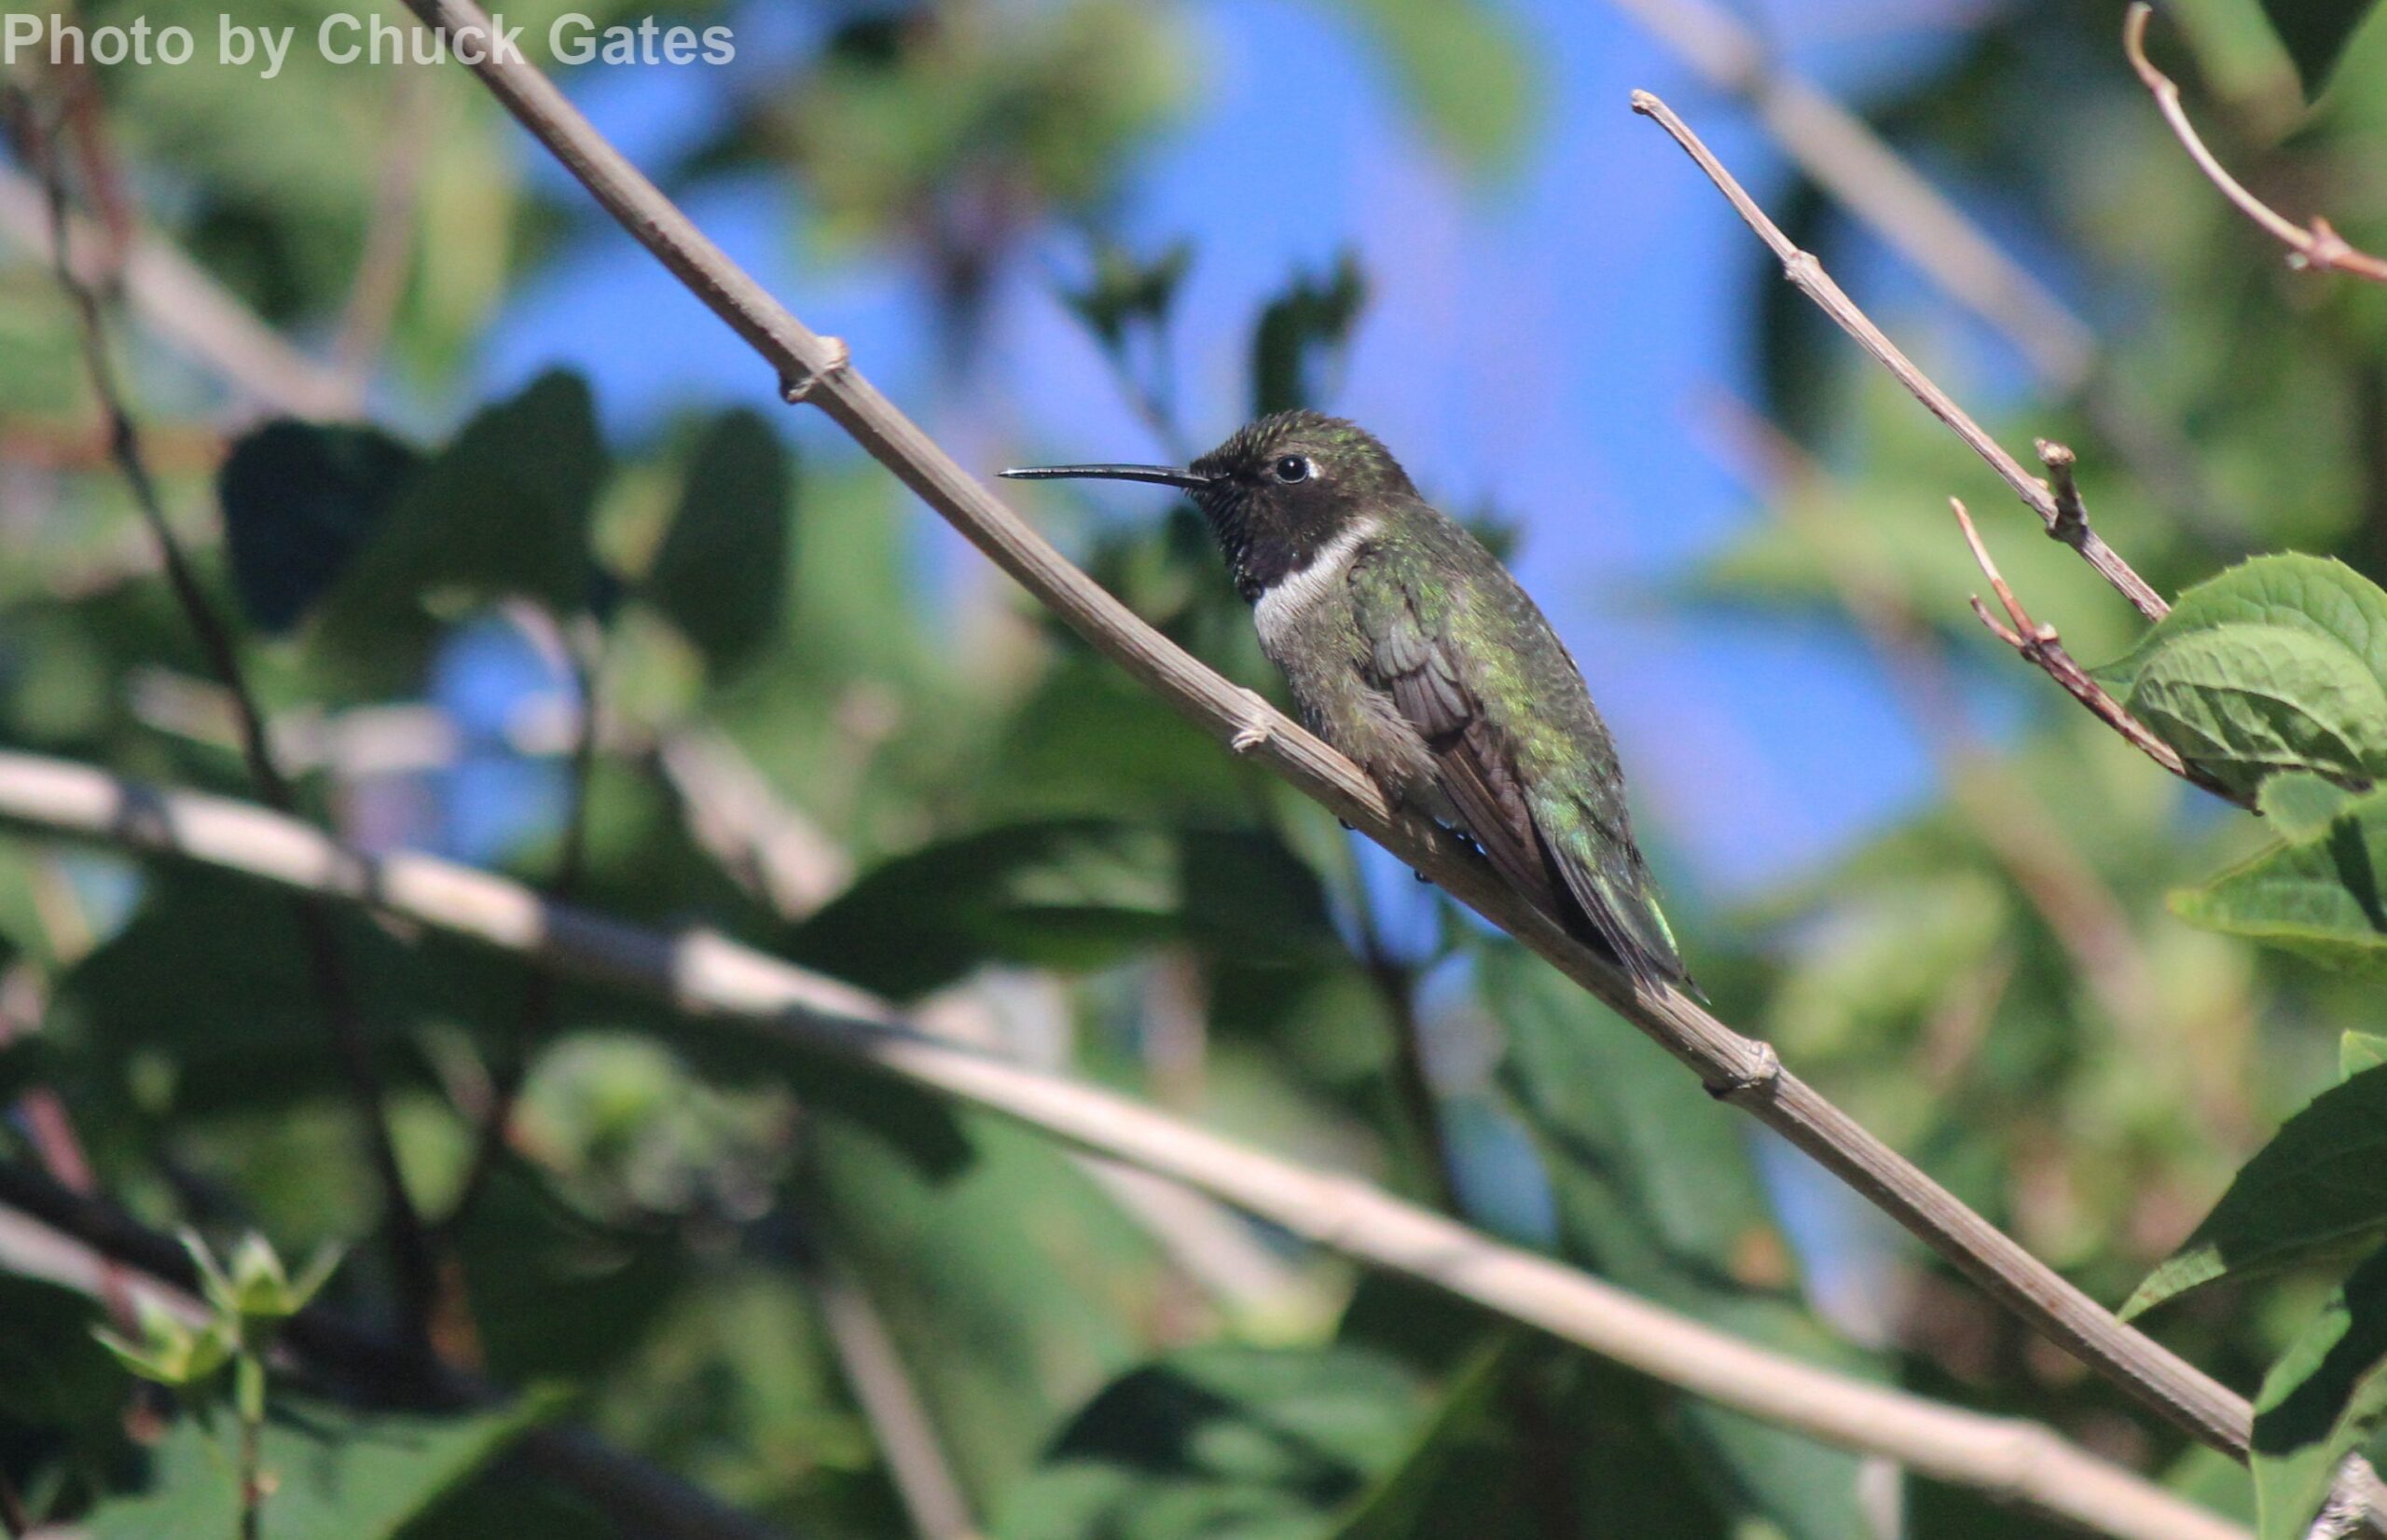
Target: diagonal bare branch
x,y
707,975
1804,271
1739,1070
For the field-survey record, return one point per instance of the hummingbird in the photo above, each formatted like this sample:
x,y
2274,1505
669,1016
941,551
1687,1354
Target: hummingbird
x,y
1411,649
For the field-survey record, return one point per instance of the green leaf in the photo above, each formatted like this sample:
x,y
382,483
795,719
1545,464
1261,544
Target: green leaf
x,y
1222,1443
1467,67
2324,895
1312,317
2316,1191
338,1474
2319,596
1065,893
2358,1051
2315,32
2320,1402
1392,1504
501,513
721,574
1656,1191
299,501
2300,804
2242,701
1125,291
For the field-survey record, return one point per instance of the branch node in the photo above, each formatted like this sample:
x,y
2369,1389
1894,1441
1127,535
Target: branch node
x,y
1258,725
1763,1074
798,385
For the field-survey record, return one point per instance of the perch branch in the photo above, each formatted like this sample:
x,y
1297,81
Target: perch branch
x,y
708,976
2040,646
1808,275
410,1248
1739,1070
2317,246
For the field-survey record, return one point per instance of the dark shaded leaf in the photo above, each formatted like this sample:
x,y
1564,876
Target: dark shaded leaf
x,y
721,574
2245,702
503,512
2315,32
1068,893
1222,1442
1125,291
299,501
2320,1402
338,1474
2316,1191
1313,317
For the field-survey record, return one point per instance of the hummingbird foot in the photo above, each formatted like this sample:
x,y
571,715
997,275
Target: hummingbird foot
x,y
1258,725
1760,1075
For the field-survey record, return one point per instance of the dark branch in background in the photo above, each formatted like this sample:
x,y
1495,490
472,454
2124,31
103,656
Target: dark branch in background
x,y
1802,269
413,1264
1744,1072
2040,646
705,976
99,1236
2316,245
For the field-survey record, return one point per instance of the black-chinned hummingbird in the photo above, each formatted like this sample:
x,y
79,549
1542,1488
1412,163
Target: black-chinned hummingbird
x,y
1409,648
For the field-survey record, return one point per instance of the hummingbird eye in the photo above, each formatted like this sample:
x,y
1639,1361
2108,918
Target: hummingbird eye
x,y
1293,467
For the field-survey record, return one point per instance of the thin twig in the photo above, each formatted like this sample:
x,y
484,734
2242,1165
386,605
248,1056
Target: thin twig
x,y
179,302
2044,649
410,1242
1848,159
707,975
1746,1073
874,1372
2317,245
1808,275
580,645
380,280
1843,155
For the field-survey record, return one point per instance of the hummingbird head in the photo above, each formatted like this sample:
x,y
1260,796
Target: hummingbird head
x,y
1277,493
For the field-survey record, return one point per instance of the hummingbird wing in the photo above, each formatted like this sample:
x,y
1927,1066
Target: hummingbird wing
x,y
1517,746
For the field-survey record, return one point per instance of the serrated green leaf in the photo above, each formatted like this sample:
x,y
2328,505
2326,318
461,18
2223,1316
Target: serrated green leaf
x,y
2300,804
2242,701
2319,596
338,1474
2320,1402
2358,1051
2315,33
2324,896
2316,1191
721,572
299,501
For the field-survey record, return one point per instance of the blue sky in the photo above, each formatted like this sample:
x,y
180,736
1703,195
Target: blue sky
x,y
1541,343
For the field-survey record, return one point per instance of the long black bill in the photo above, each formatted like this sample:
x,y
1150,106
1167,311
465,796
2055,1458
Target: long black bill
x,y
1160,475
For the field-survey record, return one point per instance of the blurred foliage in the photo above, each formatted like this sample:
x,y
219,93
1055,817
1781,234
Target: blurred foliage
x,y
951,799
